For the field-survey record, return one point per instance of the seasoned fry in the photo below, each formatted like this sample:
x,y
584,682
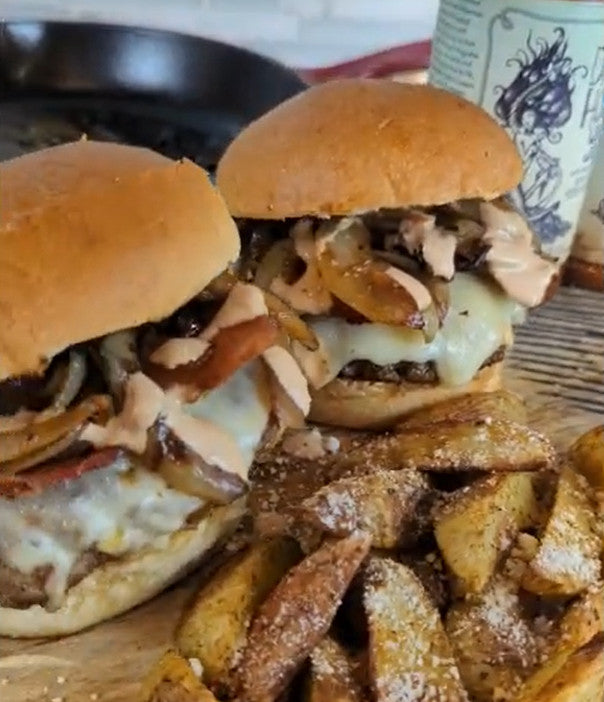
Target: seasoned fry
x,y
384,505
568,559
214,630
480,406
295,617
409,654
494,645
579,678
332,674
493,446
587,455
172,680
474,527
583,621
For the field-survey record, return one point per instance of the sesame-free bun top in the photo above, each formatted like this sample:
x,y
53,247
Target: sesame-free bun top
x,y
97,237
356,145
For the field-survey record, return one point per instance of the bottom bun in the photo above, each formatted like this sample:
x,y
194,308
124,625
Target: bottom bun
x,y
357,404
122,584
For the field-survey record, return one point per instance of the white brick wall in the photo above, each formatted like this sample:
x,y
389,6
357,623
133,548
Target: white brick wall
x,y
302,33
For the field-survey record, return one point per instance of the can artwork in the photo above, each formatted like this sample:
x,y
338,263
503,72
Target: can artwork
x,y
537,66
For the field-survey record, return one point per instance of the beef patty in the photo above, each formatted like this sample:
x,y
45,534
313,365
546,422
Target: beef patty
x,y
403,371
20,590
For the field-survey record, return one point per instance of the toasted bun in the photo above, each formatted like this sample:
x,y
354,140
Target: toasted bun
x,y
367,405
125,583
584,274
355,145
97,237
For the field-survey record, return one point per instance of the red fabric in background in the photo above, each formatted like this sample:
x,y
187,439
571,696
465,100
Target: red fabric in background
x,y
409,57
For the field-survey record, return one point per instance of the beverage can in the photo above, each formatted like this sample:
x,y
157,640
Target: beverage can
x,y
537,66
586,266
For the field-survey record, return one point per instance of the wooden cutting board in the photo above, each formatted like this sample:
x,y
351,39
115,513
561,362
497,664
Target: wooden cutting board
x,y
557,366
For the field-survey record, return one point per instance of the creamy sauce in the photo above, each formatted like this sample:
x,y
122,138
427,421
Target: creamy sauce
x,y
115,509
438,251
418,292
479,321
421,235
523,273
244,302
179,352
143,403
289,376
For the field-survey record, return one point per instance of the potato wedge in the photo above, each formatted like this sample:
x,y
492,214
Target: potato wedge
x,y
587,456
479,406
296,616
568,558
494,645
582,621
477,524
498,445
409,654
580,678
332,674
172,679
276,489
214,629
383,504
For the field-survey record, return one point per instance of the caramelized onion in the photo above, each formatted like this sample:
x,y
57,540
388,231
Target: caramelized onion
x,y
41,435
231,348
72,377
118,352
191,475
281,261
353,275
291,323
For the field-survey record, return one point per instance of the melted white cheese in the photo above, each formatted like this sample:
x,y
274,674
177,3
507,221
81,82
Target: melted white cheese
x,y
114,509
479,321
240,407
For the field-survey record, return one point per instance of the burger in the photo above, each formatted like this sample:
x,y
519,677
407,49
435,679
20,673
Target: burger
x,y
377,211
134,388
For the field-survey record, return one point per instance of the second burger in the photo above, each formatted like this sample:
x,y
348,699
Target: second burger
x,y
376,211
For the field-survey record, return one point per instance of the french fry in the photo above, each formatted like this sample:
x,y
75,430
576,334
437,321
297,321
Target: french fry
x,y
480,406
582,621
568,558
579,677
494,644
383,504
409,654
214,629
173,680
587,455
296,616
497,445
332,675
475,525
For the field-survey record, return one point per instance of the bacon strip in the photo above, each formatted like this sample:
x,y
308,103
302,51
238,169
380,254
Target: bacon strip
x,y
230,349
37,481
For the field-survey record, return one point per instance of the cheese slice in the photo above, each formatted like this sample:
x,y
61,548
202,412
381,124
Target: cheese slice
x,y
479,321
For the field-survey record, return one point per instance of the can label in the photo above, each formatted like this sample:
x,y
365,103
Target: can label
x,y
537,66
589,245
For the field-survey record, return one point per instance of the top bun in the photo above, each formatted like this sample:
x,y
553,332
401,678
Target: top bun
x,y
97,237
357,145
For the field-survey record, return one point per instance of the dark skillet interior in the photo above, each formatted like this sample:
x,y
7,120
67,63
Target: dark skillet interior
x,y
180,95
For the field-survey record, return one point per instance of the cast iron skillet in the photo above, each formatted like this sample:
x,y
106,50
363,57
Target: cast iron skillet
x,y
180,95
